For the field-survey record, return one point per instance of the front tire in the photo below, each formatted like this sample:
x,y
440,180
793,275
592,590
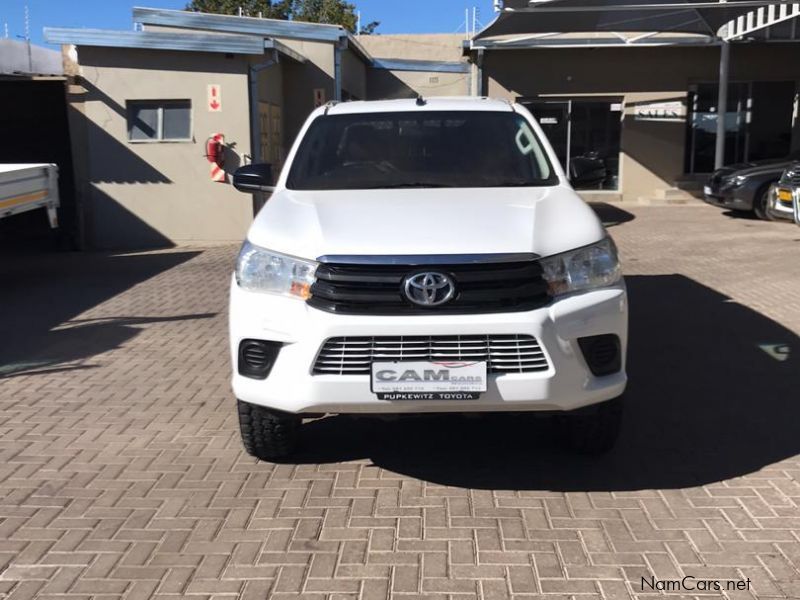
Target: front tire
x,y
594,431
267,434
761,205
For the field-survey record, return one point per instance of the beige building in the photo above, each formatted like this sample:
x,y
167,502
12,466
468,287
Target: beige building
x,y
393,82
144,104
650,112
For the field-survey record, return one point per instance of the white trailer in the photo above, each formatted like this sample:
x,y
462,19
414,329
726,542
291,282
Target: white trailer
x,y
25,187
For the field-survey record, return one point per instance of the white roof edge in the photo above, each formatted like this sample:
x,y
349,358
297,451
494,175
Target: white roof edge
x,y
434,103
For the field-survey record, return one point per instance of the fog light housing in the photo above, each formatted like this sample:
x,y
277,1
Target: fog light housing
x,y
256,358
603,353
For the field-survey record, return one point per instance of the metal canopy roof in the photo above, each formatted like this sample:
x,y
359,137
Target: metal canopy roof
x,y
156,40
205,32
170,40
298,30
295,30
703,17
17,58
425,66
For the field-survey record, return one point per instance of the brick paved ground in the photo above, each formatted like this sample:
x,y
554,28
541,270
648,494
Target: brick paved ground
x,y
122,476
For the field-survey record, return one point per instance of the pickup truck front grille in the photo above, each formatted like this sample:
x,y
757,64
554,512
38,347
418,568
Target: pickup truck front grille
x,y
480,287
792,175
502,353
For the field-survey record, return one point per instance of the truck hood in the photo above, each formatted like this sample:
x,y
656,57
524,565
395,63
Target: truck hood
x,y
311,224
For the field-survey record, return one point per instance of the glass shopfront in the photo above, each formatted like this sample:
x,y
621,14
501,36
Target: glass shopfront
x,y
586,128
758,123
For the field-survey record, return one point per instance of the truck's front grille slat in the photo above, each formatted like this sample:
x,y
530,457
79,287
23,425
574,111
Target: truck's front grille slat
x,y
502,353
480,287
792,175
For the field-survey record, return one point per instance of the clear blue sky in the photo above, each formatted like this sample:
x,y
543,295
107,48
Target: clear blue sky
x,y
396,16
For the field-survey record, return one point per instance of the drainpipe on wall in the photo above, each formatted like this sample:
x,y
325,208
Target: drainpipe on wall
x,y
722,103
338,48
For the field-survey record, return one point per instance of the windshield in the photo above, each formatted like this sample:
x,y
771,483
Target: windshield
x,y
420,149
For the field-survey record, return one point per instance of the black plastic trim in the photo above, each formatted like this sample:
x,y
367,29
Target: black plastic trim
x,y
480,288
248,363
603,353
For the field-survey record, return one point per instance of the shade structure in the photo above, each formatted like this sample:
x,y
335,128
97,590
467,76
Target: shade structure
x,y
704,17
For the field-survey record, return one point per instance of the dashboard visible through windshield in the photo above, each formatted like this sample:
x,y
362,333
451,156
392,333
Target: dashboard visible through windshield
x,y
426,149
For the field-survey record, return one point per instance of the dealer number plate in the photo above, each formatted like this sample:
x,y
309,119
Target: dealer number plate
x,y
426,380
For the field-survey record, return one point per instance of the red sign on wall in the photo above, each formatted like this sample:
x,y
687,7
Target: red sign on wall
x,y
214,97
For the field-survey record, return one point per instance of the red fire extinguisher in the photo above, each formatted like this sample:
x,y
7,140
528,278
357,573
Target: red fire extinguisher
x,y
215,149
215,153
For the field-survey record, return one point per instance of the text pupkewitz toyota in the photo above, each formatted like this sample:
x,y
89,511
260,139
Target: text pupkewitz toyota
x,y
425,256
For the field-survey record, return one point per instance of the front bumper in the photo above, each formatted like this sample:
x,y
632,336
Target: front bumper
x,y
778,208
566,385
733,198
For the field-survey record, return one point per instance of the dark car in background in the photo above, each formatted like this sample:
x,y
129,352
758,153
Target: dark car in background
x,y
746,186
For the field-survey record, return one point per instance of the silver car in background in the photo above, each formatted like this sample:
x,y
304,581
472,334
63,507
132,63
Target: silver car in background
x,y
747,187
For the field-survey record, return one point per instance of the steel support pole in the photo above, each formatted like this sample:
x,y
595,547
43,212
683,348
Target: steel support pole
x,y
722,103
479,74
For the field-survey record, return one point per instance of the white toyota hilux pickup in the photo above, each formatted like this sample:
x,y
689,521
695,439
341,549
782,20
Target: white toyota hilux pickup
x,y
425,256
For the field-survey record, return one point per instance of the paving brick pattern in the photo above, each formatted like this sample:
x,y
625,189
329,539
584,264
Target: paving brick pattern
x,y
122,475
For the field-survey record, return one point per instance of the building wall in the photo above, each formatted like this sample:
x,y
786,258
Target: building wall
x,y
382,83
157,193
271,111
160,193
428,46
354,75
300,81
652,156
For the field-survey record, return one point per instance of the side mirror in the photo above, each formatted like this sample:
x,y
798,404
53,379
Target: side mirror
x,y
254,178
586,171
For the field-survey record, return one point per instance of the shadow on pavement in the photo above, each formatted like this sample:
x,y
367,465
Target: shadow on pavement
x,y
76,342
712,395
741,214
611,215
41,293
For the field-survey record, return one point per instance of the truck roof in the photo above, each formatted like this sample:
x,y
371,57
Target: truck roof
x,y
452,103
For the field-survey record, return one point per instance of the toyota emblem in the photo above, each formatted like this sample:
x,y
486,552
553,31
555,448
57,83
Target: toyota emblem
x,y
429,289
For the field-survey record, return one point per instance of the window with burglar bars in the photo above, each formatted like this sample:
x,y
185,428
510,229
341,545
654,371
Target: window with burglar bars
x,y
159,120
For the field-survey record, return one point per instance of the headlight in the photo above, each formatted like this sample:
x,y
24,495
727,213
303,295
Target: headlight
x,y
260,270
582,269
736,180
